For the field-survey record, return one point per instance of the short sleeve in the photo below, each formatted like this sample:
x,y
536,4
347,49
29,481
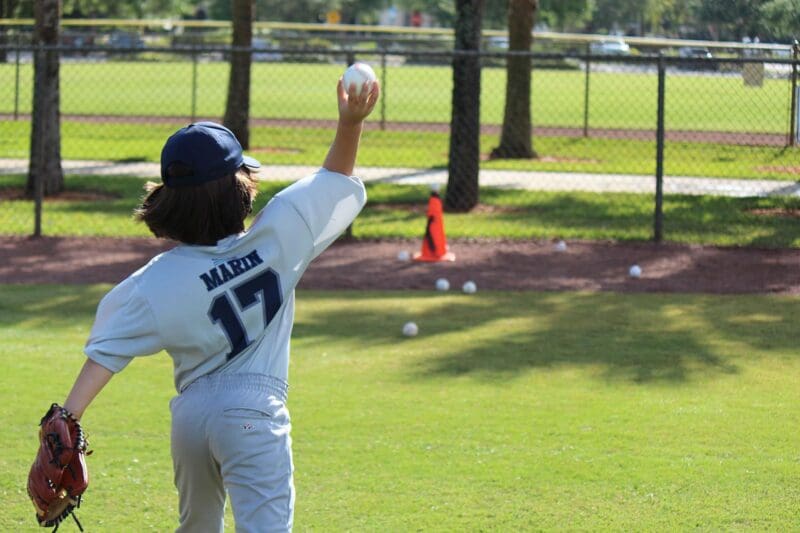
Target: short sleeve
x,y
124,328
327,202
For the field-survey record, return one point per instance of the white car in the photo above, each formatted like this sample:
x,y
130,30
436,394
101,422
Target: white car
x,y
497,42
610,47
264,51
699,53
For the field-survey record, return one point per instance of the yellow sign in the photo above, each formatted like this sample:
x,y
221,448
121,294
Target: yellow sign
x,y
333,16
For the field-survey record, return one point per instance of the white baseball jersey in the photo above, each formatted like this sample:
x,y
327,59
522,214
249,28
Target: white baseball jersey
x,y
228,307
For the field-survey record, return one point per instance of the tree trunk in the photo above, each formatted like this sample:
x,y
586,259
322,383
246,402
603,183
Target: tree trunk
x,y
237,108
45,155
515,139
464,157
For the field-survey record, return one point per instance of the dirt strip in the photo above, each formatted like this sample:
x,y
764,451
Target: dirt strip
x,y
493,265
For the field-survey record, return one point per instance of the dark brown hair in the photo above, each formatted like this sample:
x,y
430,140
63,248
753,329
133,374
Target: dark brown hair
x,y
198,215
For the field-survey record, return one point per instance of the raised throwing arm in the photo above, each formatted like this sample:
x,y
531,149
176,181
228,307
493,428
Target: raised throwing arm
x,y
353,109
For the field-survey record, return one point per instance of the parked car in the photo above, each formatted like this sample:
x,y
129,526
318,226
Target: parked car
x,y
123,39
779,70
782,53
77,40
610,47
497,42
268,54
698,57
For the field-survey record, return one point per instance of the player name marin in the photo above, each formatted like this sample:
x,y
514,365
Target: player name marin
x,y
229,270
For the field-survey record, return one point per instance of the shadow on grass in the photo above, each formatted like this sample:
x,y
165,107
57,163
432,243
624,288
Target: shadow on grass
x,y
49,306
523,214
635,338
621,216
758,222
733,220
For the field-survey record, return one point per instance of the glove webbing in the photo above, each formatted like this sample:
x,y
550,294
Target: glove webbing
x,y
69,511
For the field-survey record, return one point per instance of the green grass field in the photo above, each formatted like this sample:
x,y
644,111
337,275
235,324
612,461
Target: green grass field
x,y
397,211
509,412
411,93
425,149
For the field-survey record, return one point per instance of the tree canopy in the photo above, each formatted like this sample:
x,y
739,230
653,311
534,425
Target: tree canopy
x,y
770,20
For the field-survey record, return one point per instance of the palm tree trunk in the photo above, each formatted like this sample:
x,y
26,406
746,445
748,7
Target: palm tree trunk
x,y
464,157
45,154
237,108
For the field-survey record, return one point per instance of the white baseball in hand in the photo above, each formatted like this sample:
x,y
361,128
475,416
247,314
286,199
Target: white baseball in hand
x,y
360,75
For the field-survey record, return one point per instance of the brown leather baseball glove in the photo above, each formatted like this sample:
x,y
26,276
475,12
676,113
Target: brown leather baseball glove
x,y
58,476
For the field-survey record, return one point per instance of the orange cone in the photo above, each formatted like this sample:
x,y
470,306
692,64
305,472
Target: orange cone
x,y
434,244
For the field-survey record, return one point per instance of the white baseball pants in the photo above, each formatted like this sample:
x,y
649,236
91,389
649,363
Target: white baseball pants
x,y
231,433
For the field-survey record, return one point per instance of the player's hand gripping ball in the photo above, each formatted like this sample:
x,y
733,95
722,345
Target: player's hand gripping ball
x,y
359,74
58,476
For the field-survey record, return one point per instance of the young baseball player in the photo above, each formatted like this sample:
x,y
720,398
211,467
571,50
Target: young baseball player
x,y
221,303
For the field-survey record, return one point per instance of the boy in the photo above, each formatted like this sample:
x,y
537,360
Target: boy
x,y
221,303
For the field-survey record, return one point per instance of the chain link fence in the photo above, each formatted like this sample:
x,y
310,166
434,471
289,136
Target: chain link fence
x,y
677,147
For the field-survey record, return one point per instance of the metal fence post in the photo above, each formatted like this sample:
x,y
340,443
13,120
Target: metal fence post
x,y
586,91
351,58
659,208
38,183
16,79
38,196
793,96
383,90
194,85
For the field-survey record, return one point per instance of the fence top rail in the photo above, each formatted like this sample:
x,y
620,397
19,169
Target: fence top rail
x,y
188,49
169,24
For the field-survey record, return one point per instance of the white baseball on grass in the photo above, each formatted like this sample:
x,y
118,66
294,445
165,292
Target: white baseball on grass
x,y
359,74
403,255
469,287
442,284
635,271
410,329
561,246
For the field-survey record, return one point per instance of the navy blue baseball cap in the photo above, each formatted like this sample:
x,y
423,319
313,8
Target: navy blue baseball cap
x,y
210,151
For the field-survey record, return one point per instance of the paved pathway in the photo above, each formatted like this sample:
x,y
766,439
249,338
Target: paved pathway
x,y
535,180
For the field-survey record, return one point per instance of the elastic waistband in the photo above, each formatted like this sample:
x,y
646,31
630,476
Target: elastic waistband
x,y
254,382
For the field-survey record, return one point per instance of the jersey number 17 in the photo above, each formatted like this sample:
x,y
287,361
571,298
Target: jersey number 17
x,y
265,287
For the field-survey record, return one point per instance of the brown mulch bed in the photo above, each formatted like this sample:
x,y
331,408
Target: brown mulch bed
x,y
493,265
781,212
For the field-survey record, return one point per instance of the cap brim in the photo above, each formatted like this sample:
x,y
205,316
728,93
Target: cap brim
x,y
250,162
